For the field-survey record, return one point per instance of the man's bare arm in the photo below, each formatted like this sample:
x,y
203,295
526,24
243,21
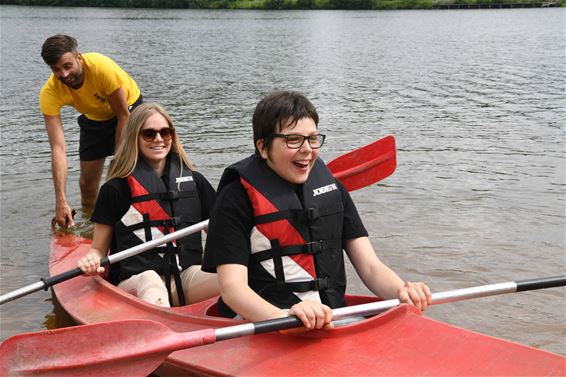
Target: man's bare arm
x,y
54,128
119,104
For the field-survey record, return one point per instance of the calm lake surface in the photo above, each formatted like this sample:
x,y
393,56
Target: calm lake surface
x,y
475,99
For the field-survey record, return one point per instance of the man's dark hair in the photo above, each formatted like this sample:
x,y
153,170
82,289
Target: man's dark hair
x,y
280,109
56,46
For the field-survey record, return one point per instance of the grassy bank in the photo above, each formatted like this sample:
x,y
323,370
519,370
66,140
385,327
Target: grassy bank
x,y
295,4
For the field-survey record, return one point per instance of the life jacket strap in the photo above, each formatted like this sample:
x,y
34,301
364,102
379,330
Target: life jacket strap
x,y
318,284
171,268
146,227
308,214
148,223
168,195
277,262
312,248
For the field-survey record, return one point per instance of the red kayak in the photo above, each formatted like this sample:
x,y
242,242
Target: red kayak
x,y
400,341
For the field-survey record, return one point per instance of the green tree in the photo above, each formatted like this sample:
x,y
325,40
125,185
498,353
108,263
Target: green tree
x,y
351,4
274,4
305,4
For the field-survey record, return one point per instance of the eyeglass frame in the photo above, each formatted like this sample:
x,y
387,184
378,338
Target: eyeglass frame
x,y
286,136
155,132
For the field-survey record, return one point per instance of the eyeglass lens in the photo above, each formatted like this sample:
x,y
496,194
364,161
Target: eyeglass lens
x,y
296,141
149,134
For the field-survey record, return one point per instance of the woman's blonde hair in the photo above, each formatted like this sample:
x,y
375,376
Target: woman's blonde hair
x,y
127,154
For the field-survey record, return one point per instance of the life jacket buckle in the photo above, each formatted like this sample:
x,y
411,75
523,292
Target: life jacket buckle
x,y
314,247
312,214
175,221
319,284
173,195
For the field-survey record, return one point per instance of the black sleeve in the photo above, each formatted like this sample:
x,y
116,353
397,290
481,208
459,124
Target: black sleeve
x,y
206,193
353,227
113,201
231,222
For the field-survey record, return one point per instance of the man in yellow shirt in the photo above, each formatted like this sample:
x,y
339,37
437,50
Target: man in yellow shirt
x,y
104,94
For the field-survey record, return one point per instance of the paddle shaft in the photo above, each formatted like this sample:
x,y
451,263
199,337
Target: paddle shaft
x,y
374,308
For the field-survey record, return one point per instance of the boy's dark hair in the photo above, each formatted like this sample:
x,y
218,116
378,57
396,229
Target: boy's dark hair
x,y
54,47
280,109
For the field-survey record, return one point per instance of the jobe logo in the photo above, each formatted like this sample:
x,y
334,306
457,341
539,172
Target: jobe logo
x,y
184,179
99,98
324,189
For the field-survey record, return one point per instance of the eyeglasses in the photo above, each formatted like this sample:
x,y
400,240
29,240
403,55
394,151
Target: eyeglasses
x,y
149,134
295,141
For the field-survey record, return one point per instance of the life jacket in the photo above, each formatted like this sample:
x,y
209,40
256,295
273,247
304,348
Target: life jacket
x,y
156,211
297,235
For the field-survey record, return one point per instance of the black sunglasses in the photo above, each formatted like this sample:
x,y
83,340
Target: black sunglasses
x,y
149,134
295,141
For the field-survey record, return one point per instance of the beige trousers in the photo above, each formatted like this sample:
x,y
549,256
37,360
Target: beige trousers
x,y
149,286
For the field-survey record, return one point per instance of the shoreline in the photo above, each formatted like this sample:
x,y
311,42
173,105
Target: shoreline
x,y
296,4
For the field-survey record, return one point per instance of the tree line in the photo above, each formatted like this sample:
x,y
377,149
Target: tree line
x,y
287,4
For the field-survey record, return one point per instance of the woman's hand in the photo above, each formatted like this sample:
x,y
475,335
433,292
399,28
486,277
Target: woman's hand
x,y
417,294
314,315
90,264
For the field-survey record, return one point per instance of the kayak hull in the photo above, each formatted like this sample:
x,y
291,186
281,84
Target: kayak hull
x,y
399,342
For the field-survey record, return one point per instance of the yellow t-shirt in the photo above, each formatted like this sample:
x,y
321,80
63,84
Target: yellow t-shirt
x,y
102,76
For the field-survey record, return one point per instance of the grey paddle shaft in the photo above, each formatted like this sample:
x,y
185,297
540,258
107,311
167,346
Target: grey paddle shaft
x,y
373,308
157,242
22,292
48,282
457,295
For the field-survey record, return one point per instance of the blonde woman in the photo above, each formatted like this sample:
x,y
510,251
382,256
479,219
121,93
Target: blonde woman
x,y
152,190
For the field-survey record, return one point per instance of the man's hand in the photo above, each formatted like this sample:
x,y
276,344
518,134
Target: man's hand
x,y
64,216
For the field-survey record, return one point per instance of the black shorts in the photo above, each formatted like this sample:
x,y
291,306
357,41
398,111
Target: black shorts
x,y
97,138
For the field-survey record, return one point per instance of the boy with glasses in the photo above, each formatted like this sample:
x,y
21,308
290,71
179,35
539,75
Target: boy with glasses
x,y
281,222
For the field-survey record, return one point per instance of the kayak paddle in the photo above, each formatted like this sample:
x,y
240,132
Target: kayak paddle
x,y
356,169
137,347
366,165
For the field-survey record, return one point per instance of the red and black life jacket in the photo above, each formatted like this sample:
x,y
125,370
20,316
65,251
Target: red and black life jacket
x,y
156,211
297,237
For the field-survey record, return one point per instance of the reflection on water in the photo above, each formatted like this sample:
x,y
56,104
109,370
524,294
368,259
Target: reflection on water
x,y
83,226
58,317
474,98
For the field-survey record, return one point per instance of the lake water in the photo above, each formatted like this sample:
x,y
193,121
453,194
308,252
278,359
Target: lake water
x,y
475,99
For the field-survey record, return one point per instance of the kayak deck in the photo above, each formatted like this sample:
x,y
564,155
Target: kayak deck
x,y
400,341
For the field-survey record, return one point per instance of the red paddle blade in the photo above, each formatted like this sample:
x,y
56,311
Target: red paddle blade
x,y
366,165
120,348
